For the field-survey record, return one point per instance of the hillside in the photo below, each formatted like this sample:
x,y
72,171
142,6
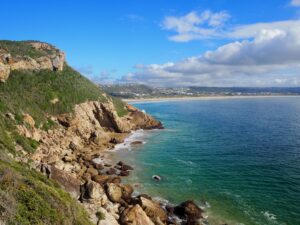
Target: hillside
x,y
42,97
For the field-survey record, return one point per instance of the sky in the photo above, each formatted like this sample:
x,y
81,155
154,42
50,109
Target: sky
x,y
169,42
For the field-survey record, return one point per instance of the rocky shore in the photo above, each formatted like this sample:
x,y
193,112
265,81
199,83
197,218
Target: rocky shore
x,y
72,154
71,150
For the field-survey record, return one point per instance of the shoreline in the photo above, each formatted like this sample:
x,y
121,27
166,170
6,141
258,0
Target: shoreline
x,y
173,99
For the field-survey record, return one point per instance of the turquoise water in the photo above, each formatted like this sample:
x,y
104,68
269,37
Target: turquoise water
x,y
240,155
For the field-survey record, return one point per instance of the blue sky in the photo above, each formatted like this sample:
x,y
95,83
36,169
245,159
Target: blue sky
x,y
162,42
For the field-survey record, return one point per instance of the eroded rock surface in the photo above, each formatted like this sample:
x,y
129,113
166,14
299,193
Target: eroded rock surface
x,y
53,61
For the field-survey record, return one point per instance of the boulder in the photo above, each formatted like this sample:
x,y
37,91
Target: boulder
x,y
92,171
94,193
188,210
111,171
114,192
125,167
153,210
134,215
100,179
127,191
124,173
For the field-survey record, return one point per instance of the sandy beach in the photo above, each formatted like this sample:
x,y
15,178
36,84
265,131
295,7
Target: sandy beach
x,y
147,100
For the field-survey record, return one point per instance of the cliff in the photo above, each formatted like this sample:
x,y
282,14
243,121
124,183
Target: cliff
x,y
28,56
55,126
55,121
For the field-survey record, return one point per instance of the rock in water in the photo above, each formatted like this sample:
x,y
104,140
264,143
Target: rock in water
x,y
188,210
156,177
153,210
134,215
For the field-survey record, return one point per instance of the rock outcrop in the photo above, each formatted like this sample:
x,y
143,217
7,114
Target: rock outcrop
x,y
135,215
52,59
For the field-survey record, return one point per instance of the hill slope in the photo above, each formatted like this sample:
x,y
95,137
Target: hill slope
x,y
27,197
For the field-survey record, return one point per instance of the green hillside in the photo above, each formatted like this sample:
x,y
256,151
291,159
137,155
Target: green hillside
x,y
27,197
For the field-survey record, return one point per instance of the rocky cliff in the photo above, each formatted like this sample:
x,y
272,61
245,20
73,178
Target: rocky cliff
x,y
46,57
55,122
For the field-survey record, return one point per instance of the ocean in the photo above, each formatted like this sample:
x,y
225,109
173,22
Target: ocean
x,y
240,158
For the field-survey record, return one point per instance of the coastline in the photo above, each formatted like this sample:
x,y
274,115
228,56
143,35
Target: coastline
x,y
204,98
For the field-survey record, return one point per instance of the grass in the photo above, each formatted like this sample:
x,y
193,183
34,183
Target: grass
x,y
27,197
32,91
23,48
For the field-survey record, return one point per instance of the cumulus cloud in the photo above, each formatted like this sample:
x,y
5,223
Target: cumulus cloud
x,y
295,3
268,54
195,26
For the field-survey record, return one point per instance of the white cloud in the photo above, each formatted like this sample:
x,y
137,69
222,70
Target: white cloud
x,y
265,54
295,3
195,26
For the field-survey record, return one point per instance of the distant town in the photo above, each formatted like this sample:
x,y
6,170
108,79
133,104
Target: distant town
x,y
140,91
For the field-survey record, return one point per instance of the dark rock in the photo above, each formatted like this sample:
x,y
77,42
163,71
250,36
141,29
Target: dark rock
x,y
124,173
111,171
136,142
156,178
101,179
126,167
188,210
120,163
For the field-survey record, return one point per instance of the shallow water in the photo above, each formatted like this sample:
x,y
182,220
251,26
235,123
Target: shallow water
x,y
240,155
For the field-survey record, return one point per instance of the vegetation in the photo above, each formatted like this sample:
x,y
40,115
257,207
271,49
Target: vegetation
x,y
33,92
27,197
23,48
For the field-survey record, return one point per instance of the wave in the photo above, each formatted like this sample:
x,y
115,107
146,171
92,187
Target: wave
x,y
138,135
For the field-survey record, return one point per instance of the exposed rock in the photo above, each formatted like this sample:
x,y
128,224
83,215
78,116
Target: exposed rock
x,y
29,120
54,101
134,215
94,193
153,210
92,171
70,184
101,179
136,143
58,61
111,171
53,61
127,191
188,210
4,72
124,173
114,192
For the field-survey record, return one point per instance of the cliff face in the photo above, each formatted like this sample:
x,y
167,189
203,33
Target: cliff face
x,y
48,58
60,124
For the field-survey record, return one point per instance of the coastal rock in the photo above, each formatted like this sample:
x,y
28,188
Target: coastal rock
x,y
153,210
101,179
136,143
94,193
111,171
124,173
108,218
70,184
188,210
134,215
92,171
127,191
114,192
